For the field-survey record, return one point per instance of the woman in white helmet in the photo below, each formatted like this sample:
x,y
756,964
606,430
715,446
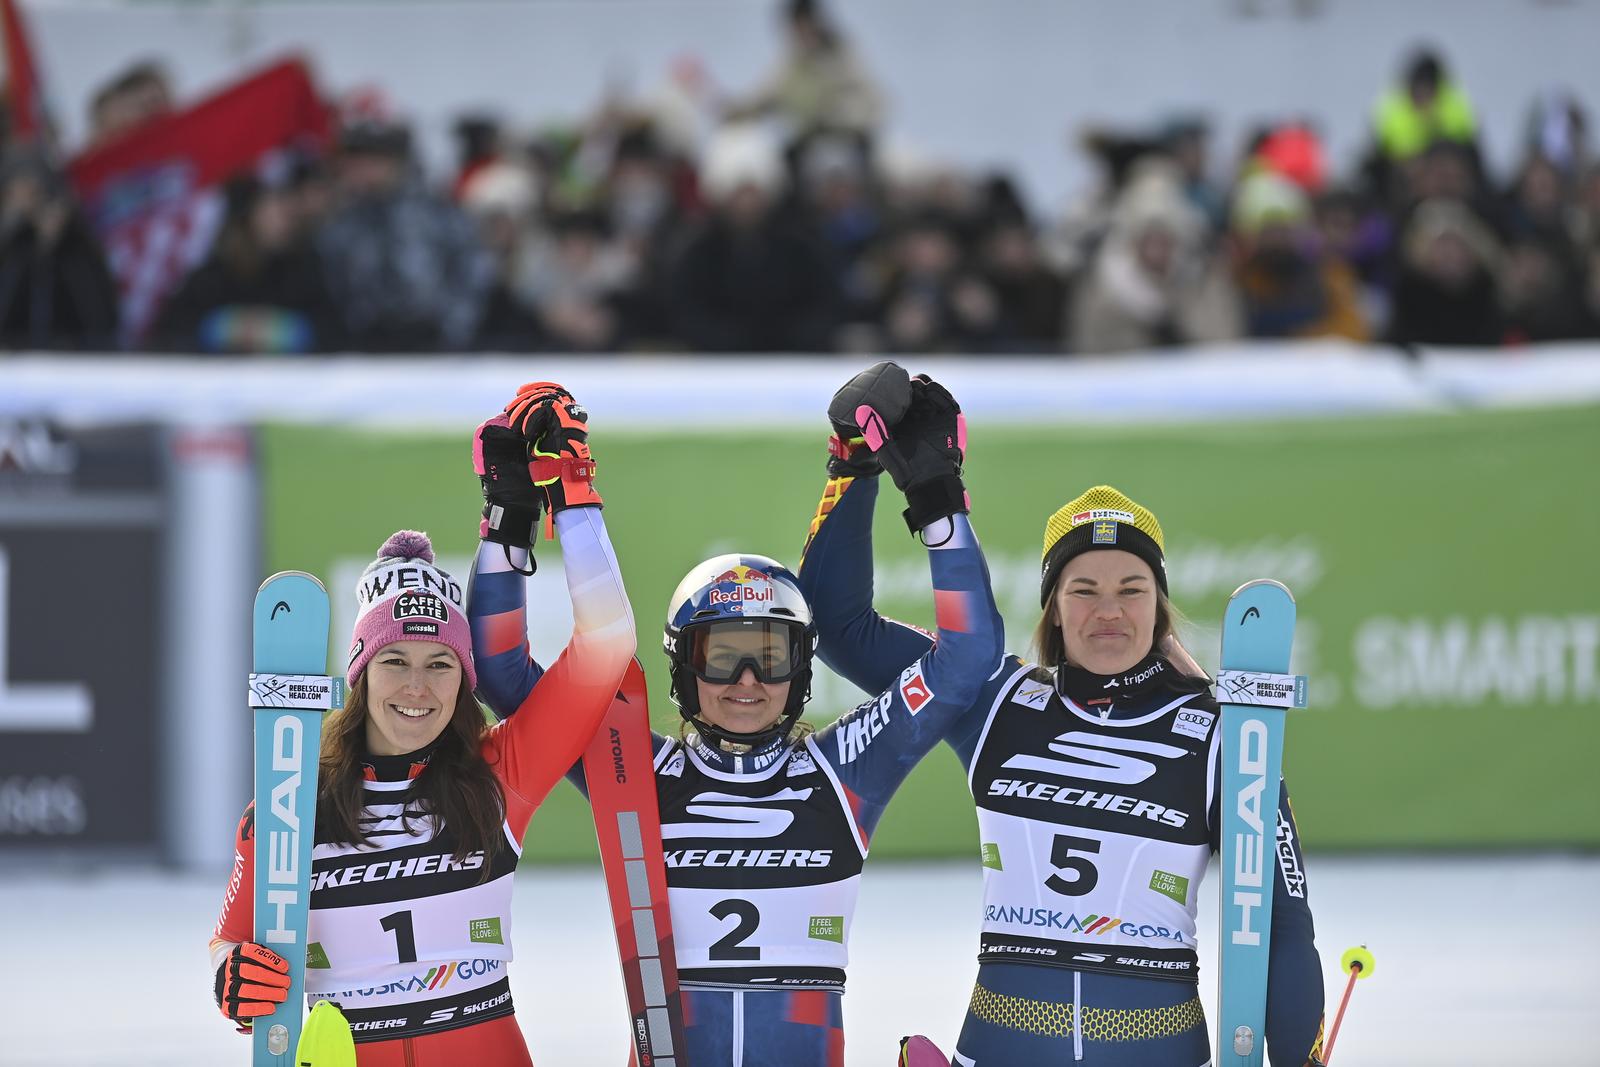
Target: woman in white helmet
x,y
766,823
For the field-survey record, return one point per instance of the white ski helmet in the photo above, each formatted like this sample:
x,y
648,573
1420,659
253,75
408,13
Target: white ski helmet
x,y
744,593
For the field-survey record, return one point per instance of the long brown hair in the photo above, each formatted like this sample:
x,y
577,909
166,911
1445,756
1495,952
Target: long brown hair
x,y
457,788
1051,648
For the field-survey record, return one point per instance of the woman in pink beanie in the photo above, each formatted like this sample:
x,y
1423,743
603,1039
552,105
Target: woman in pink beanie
x,y
422,806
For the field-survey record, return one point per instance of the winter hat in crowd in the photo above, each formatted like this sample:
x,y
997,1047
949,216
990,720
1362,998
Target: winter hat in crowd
x,y
1264,199
739,154
402,596
1100,518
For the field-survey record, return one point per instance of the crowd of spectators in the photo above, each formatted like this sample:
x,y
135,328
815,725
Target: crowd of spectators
x,y
780,222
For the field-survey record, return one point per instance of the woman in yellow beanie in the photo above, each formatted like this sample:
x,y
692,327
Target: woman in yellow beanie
x,y
1095,773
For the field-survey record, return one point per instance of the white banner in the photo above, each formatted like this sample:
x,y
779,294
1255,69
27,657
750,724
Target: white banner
x,y
1244,380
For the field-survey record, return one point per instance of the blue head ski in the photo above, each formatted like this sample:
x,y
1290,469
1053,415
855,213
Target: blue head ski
x,y
1254,688
289,692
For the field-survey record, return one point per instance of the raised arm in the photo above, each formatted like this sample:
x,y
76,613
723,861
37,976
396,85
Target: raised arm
x,y
535,458
856,642
549,729
875,746
497,606
835,575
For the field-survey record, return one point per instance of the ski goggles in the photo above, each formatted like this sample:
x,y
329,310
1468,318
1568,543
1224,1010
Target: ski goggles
x,y
719,652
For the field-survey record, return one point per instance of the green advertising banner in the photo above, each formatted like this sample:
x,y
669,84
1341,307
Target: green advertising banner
x,y
1444,566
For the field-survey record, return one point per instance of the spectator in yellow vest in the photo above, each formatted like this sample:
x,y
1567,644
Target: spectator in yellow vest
x,y
1428,107
1425,111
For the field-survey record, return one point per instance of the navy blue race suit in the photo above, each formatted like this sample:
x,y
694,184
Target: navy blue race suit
x,y
1097,810
764,849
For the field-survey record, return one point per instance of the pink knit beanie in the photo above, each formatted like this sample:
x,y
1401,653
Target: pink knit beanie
x,y
402,596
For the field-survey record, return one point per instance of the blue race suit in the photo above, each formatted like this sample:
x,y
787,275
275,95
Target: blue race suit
x,y
764,849
1097,808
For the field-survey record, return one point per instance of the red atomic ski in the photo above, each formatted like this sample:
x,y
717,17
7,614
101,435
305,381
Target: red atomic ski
x,y
627,822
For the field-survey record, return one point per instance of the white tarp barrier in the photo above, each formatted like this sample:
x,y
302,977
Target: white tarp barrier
x,y
1249,380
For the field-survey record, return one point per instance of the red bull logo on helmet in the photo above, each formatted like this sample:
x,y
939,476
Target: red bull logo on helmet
x,y
750,585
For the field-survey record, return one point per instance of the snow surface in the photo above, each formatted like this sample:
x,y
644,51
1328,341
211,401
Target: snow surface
x,y
1479,961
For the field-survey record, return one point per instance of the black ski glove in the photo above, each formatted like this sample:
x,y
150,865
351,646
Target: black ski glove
x,y
915,429
511,503
533,459
883,388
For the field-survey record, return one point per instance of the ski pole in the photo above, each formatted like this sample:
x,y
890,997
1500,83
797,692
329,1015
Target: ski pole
x,y
1359,962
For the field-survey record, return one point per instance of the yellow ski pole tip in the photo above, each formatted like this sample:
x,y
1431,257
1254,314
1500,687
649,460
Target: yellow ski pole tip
x,y
1359,958
325,1040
